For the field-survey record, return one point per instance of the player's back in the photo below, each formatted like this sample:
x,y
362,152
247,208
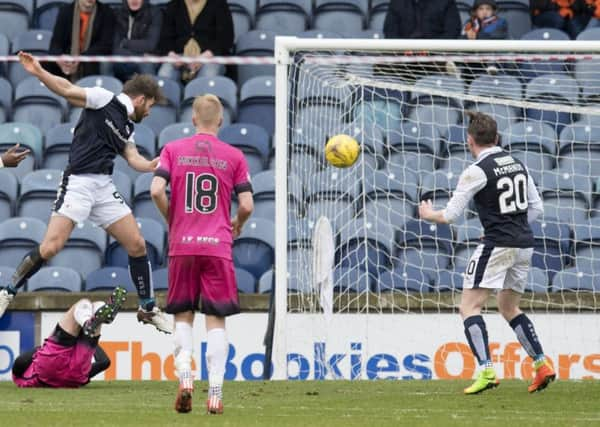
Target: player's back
x,y
502,204
203,172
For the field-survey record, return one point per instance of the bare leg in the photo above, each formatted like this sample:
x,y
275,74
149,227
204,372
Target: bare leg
x,y
508,304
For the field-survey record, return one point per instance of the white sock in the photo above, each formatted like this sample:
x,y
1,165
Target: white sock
x,y
83,311
184,345
216,357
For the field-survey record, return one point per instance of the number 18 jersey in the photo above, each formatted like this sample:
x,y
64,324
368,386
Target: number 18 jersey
x,y
203,172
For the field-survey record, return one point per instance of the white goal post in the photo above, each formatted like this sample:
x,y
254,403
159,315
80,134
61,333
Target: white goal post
x,y
313,75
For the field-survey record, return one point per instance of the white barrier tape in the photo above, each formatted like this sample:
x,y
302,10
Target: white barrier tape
x,y
240,60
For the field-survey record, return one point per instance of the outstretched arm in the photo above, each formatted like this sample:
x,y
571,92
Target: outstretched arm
x,y
137,161
62,87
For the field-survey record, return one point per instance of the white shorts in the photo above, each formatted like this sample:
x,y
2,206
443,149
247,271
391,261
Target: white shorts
x,y
90,196
498,268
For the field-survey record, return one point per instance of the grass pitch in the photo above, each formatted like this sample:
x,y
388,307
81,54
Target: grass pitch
x,y
306,404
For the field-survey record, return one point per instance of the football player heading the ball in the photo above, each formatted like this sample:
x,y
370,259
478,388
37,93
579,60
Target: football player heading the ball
x,y
65,358
506,201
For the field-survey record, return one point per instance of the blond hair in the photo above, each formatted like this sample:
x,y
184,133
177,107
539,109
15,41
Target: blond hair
x,y
208,111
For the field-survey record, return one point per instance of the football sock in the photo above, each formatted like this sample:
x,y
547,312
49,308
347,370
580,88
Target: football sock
x,y
139,269
477,337
527,336
216,357
83,311
30,265
184,344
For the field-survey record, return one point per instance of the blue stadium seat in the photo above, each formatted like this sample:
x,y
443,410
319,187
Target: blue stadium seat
x,y
333,193
518,16
390,196
257,103
255,43
421,234
265,283
154,234
462,256
15,16
175,131
448,280
108,278
143,206
552,248
405,278
145,140
370,139
531,136
6,274
246,282
500,86
456,163
45,13
532,69
252,140
124,185
552,88
9,187
58,145
242,13
86,245
347,16
35,103
317,120
318,34
537,281
352,279
38,192
566,195
220,86
18,236
109,83
55,279
263,186
162,115
121,165
300,233
579,148
420,138
381,108
379,9
284,17
427,259
366,244
160,279
33,41
254,250
575,279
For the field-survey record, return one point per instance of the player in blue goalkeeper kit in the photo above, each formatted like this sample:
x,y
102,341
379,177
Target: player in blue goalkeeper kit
x,y
506,201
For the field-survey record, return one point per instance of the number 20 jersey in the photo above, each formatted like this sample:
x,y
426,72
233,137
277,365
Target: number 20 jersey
x,y
203,172
502,203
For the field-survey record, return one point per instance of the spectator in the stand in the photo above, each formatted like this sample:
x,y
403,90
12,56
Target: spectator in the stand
x,y
423,19
571,16
484,23
195,28
136,33
84,27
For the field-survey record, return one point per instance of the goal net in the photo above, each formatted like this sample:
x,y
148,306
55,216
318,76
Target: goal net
x,y
397,280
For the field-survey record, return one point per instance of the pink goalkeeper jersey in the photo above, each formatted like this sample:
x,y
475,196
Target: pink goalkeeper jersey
x,y
203,172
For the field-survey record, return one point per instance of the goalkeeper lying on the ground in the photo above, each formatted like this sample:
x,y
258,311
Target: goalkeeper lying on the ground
x,y
71,356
